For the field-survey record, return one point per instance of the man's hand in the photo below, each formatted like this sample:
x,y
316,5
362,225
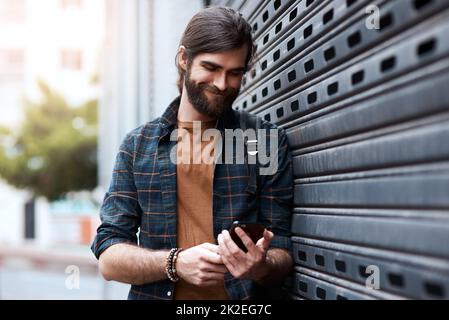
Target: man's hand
x,y
251,265
201,265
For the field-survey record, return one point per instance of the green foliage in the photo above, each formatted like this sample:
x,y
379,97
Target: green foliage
x,y
54,151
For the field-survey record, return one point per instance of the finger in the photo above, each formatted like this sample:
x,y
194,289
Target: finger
x,y
247,241
226,255
264,242
210,247
233,249
212,257
268,235
217,268
228,264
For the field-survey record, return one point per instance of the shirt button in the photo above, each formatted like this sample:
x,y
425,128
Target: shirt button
x,y
169,293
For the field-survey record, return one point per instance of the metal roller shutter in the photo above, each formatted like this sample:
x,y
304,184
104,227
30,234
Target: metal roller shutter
x,y
367,116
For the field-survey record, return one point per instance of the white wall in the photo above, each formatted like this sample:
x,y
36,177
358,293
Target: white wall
x,y
139,73
166,38
11,214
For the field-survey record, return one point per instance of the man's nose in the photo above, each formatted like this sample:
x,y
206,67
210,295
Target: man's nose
x,y
220,82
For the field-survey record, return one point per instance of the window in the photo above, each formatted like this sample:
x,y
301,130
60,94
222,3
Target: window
x,y
71,59
15,57
70,4
12,61
12,10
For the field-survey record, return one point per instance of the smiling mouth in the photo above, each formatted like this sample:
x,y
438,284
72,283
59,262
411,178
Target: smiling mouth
x,y
215,93
215,96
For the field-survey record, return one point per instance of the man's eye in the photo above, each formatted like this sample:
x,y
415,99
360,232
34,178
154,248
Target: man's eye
x,y
237,73
210,68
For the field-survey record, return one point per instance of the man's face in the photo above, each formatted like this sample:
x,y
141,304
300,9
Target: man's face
x,y
212,81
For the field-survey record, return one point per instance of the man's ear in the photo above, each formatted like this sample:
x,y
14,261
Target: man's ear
x,y
182,57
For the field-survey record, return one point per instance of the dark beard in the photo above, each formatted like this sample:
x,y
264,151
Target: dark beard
x,y
221,102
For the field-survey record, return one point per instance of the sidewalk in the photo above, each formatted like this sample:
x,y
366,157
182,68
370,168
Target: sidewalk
x,y
30,272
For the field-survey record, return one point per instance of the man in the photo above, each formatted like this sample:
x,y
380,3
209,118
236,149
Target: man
x,y
192,205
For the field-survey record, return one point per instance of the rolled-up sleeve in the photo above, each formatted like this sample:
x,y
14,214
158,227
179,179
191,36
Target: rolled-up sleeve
x,y
120,212
276,196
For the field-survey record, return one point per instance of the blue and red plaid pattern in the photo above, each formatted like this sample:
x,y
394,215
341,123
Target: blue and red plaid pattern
x,y
142,195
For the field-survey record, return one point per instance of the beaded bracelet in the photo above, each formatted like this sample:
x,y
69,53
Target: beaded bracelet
x,y
173,266
170,268
169,263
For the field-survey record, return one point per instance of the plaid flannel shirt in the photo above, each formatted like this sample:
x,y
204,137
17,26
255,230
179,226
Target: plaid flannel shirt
x,y
142,194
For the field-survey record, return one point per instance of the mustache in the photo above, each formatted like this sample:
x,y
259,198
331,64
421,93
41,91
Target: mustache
x,y
215,90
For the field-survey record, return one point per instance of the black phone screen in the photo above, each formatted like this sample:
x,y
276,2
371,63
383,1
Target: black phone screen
x,y
253,229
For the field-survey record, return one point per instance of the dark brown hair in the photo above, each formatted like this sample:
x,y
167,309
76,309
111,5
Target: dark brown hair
x,y
215,29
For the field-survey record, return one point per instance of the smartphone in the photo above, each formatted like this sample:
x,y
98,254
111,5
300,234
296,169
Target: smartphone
x,y
253,229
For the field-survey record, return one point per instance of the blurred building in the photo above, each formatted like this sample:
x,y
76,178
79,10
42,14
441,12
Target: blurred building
x,y
139,73
59,42
129,47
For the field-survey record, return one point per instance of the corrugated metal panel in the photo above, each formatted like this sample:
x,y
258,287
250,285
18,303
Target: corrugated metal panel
x,y
367,116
